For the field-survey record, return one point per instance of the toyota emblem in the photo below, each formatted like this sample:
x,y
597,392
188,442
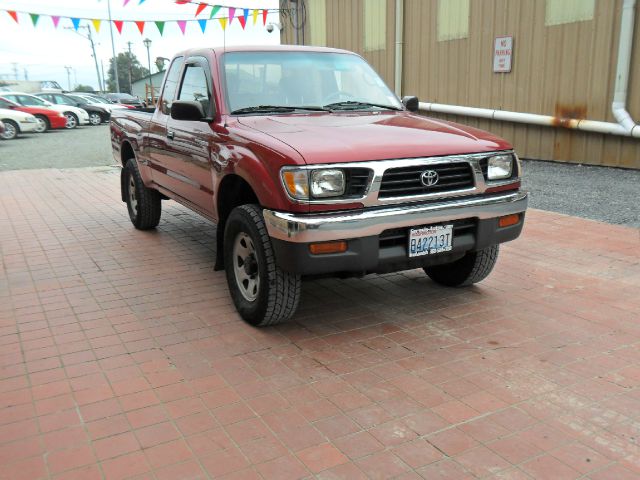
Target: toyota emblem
x,y
429,178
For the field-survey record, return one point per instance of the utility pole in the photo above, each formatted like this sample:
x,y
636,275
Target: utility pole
x,y
15,70
93,50
130,82
113,49
68,69
26,74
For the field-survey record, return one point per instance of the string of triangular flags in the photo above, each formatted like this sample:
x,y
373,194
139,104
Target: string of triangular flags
x,y
242,14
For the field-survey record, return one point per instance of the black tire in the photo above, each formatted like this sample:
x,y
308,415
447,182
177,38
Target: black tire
x,y
144,204
44,124
11,130
72,120
278,292
472,268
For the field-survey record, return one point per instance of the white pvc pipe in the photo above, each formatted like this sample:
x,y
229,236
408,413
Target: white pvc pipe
x,y
399,42
626,126
618,107
533,119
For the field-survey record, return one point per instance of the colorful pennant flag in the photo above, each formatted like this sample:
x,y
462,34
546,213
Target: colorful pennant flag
x,y
76,23
255,15
140,25
140,2
243,18
183,25
55,21
232,12
125,2
34,18
200,8
13,15
182,2
223,23
203,25
216,9
160,26
118,24
264,16
96,25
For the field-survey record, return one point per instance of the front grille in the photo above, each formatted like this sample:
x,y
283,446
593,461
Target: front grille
x,y
405,181
356,181
400,236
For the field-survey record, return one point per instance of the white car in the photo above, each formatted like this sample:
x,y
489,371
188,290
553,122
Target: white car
x,y
75,116
16,122
102,102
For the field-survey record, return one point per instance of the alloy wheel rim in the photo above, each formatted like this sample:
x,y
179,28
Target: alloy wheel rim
x,y
42,125
133,201
71,121
9,131
245,267
95,119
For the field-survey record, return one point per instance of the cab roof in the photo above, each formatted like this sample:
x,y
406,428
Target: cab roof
x,y
261,48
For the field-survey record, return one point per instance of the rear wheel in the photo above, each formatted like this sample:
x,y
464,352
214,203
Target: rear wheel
x,y
262,293
43,124
472,268
95,118
11,130
72,120
144,204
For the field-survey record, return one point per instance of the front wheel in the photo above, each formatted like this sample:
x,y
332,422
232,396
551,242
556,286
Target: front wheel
x,y
10,130
144,204
72,120
262,293
43,124
472,268
95,118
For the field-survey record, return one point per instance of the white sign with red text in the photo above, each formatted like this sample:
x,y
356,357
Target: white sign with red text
x,y
502,54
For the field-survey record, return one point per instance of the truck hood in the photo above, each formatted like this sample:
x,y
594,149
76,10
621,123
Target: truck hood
x,y
360,136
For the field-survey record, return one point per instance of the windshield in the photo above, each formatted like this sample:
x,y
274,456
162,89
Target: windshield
x,y
303,79
97,100
33,101
80,100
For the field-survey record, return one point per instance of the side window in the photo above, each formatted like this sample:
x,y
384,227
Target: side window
x,y
5,104
47,97
195,87
62,100
171,85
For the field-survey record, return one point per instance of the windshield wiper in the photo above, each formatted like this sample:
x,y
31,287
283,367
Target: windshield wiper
x,y
354,105
276,109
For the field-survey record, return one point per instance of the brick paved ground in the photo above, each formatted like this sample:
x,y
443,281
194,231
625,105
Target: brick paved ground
x,y
121,355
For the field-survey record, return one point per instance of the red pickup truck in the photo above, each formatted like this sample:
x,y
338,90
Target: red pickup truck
x,y
309,165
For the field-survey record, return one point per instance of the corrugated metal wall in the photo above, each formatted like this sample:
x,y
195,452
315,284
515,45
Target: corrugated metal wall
x,y
565,70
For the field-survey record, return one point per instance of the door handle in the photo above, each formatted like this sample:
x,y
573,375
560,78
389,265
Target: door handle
x,y
170,134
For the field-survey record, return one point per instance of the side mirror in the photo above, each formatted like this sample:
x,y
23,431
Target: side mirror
x,y
187,110
411,103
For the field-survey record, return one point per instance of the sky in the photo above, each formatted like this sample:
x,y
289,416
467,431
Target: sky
x,y
44,50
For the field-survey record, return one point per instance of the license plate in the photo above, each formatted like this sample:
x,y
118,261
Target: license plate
x,y
430,240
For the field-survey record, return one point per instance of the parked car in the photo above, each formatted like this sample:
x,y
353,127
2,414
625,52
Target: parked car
x,y
16,122
310,165
1,128
97,114
125,99
75,116
99,101
47,117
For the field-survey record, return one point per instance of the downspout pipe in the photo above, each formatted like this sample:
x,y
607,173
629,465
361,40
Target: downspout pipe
x,y
399,44
619,105
625,126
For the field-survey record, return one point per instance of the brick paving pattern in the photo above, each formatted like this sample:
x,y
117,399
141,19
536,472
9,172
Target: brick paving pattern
x,y
121,355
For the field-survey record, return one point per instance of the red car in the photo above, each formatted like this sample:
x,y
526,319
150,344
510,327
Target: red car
x,y
47,117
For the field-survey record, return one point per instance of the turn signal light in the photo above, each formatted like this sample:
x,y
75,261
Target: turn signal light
x,y
328,247
509,220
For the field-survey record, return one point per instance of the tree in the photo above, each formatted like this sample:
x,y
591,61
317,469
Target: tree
x,y
137,72
160,63
83,88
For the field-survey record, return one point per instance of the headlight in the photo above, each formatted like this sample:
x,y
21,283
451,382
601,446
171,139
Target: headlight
x,y
303,184
60,114
29,120
499,167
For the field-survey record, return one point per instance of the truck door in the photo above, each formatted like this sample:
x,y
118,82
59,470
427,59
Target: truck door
x,y
190,142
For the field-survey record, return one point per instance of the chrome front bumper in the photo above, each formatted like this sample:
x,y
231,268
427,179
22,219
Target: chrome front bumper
x,y
363,223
